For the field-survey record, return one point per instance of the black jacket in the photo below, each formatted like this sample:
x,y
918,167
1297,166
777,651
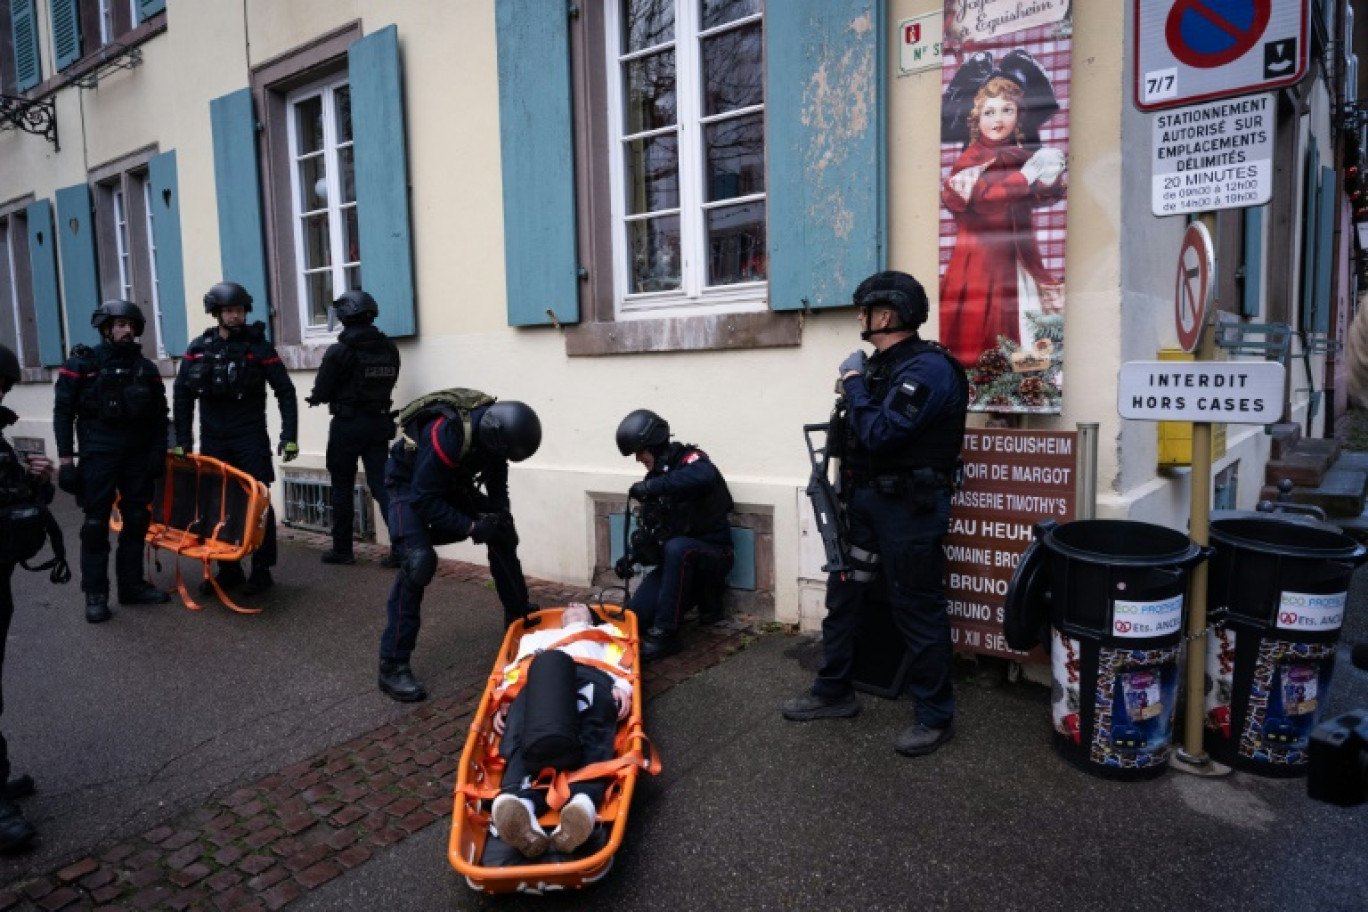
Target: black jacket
x,y
229,378
109,399
693,492
358,373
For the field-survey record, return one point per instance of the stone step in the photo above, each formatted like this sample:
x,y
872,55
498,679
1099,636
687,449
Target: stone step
x,y
1285,437
1340,493
1304,469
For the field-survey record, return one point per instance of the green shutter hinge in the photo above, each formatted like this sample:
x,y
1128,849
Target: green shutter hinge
x,y
582,274
573,10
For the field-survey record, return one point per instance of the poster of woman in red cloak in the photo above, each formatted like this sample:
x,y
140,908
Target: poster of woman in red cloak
x,y
1004,189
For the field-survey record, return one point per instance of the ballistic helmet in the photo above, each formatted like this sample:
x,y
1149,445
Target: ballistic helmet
x,y
641,430
511,430
9,366
113,310
227,294
355,306
899,291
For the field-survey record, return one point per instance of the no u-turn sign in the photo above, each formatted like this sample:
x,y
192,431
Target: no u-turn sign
x,y
1195,50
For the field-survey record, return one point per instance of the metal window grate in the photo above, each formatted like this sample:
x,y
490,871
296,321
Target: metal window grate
x,y
308,505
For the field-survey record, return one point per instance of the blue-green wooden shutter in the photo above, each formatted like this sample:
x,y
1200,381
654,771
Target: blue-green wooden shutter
x,y
166,233
1253,260
237,185
27,71
66,32
76,248
824,110
536,147
47,304
1325,251
1310,223
382,203
149,8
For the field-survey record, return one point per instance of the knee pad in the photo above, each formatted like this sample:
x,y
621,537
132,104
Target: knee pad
x,y
95,534
136,522
420,566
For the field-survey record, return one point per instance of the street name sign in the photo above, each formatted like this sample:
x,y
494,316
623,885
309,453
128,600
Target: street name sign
x,y
1230,392
1195,50
1212,156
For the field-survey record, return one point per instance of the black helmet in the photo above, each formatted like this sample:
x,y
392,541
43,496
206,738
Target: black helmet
x,y
511,430
227,294
113,310
641,430
899,291
9,366
355,306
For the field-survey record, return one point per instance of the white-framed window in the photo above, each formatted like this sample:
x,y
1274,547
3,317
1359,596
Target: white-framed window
x,y
686,85
111,27
9,287
154,285
323,199
123,250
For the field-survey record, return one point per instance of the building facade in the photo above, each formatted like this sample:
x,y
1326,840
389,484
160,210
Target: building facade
x,y
618,204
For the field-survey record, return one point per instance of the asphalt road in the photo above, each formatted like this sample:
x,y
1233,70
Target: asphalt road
x,y
130,723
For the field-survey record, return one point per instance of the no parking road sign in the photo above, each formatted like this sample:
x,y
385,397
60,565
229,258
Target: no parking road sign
x,y
1194,50
1194,286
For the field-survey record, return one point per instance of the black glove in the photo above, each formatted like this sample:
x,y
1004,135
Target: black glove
x,y
638,491
69,479
487,527
624,568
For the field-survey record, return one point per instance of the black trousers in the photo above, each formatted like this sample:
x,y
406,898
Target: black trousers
x,y
353,437
6,615
251,454
127,475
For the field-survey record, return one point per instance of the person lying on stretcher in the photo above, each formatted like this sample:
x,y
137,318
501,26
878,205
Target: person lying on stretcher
x,y
564,718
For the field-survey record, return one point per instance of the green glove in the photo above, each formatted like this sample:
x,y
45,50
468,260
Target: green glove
x,y
289,451
178,452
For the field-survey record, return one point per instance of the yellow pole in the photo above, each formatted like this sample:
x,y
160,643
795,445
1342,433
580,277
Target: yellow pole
x,y
1199,528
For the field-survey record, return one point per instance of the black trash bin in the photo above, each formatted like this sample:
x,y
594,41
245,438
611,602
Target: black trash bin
x,y
1114,592
1278,589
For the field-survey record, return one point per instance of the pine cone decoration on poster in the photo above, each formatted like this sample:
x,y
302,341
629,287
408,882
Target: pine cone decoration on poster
x,y
991,365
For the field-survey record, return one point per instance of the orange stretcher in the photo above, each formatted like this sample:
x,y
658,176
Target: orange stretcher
x,y
206,510
481,769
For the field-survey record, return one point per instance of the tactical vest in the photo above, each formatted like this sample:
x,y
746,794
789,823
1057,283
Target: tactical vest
x,y
938,445
455,404
694,516
224,370
372,380
120,389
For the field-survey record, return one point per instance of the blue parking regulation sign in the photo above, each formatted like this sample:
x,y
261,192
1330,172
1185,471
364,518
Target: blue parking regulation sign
x,y
1198,50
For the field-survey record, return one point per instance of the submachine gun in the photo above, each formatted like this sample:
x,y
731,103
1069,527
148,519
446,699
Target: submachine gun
x,y
824,493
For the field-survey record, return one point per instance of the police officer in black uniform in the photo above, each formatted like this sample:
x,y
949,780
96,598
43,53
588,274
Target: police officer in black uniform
x,y
448,481
356,379
21,481
906,414
228,369
685,502
114,400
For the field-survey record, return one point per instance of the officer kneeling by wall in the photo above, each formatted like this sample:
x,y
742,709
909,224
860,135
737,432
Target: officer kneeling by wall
x,y
115,400
683,518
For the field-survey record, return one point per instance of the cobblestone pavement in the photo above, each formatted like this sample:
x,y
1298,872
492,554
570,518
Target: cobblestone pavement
x,y
272,840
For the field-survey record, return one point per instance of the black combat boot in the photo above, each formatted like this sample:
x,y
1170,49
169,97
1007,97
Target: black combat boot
x,y
16,833
333,556
229,576
142,593
398,681
259,581
657,644
97,607
390,561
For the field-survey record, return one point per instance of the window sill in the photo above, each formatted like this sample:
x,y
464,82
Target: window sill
x,y
304,356
129,39
704,333
37,374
